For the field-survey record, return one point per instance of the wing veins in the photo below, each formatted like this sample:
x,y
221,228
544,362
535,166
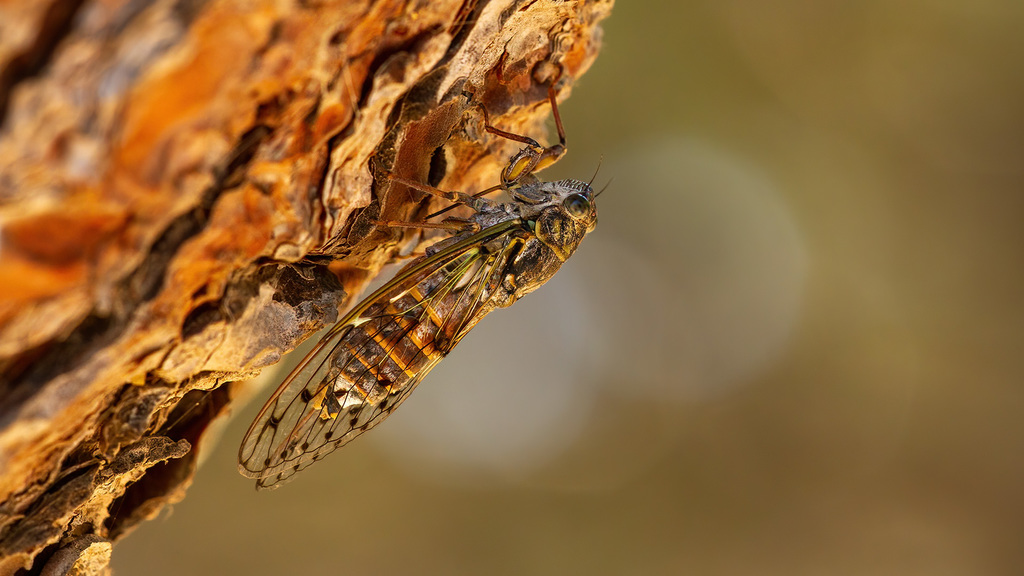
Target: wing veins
x,y
270,435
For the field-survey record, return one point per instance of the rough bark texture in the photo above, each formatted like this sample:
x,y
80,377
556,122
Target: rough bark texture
x,y
175,175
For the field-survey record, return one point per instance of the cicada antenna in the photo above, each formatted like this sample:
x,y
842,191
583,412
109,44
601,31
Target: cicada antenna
x,y
596,170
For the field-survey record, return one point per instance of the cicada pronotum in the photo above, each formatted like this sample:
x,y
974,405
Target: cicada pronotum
x,y
372,358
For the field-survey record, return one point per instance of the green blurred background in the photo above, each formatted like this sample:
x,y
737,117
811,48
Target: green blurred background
x,y
793,345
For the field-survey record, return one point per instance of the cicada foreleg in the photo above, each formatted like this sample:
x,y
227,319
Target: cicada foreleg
x,y
533,157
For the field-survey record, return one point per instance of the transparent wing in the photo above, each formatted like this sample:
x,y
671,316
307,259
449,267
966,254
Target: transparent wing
x,y
372,359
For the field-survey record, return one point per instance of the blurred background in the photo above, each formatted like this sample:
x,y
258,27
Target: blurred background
x,y
793,345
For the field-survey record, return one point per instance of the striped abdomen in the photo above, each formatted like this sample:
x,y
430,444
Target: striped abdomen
x,y
399,339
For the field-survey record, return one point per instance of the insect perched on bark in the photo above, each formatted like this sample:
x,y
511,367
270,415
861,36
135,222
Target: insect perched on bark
x,y
372,358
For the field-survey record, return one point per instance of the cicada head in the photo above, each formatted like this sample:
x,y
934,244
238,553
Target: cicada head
x,y
566,216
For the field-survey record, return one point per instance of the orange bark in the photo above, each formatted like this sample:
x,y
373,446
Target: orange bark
x,y
167,169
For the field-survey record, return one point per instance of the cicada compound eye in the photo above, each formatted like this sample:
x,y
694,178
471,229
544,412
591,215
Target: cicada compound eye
x,y
577,205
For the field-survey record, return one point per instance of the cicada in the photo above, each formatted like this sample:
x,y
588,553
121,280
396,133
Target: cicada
x,y
371,360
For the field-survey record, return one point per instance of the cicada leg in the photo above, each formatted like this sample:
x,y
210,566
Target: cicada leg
x,y
452,224
456,198
533,157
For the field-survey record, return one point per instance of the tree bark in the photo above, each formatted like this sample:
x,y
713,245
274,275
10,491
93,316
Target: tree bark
x,y
189,189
